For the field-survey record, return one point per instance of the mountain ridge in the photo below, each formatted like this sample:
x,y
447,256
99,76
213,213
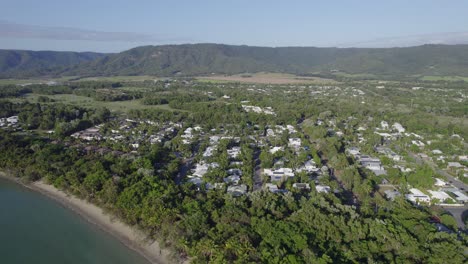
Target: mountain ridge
x,y
208,58
27,63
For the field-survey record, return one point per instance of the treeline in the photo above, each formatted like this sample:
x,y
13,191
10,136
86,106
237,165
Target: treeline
x,y
63,119
215,227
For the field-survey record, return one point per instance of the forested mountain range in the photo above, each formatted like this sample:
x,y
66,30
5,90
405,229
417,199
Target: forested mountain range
x,y
201,59
25,63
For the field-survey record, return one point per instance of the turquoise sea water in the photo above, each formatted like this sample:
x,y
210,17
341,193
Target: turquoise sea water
x,y
36,229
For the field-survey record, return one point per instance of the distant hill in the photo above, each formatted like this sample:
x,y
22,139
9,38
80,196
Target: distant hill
x,y
201,59
25,63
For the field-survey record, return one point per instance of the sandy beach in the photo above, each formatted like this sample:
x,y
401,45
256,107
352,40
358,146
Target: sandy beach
x,y
129,236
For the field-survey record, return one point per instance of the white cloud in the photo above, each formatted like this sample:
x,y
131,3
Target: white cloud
x,y
13,30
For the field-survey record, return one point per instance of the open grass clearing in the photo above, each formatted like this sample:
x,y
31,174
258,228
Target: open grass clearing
x,y
83,101
265,78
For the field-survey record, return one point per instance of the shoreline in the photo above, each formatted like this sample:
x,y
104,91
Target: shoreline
x,y
131,237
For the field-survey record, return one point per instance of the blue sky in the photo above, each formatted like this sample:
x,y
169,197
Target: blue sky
x,y
116,25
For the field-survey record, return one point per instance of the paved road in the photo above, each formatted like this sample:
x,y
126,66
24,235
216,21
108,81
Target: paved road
x,y
184,169
258,183
458,213
454,181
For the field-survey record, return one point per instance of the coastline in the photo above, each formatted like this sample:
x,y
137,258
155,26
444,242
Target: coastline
x,y
131,237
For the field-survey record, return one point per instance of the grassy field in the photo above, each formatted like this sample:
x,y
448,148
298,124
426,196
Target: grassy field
x,y
83,101
25,81
119,78
75,79
356,76
444,78
264,78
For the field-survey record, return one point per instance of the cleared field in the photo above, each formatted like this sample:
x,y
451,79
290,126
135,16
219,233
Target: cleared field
x,y
119,78
83,101
356,76
265,78
26,81
444,78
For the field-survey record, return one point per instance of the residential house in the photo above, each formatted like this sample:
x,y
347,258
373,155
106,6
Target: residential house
x,y
301,186
237,190
372,164
440,196
398,127
323,188
392,194
460,197
279,174
416,196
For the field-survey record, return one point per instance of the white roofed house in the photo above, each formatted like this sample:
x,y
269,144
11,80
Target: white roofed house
x,y
273,150
232,179
279,174
353,151
384,125
12,120
309,166
372,164
440,196
234,152
322,188
439,183
295,143
416,196
455,165
398,127
301,186
237,190
274,188
460,197
392,194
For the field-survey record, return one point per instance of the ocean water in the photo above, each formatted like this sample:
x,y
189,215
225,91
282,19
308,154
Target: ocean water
x,y
37,229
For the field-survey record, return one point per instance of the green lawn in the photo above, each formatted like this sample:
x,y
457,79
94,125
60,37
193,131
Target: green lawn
x,y
24,81
119,78
444,78
83,101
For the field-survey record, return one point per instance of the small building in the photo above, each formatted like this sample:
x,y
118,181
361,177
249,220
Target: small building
x,y
301,186
372,164
217,185
295,143
353,151
323,188
309,167
398,127
197,181
392,194
279,174
233,179
460,197
456,165
439,183
234,152
416,196
273,150
271,187
237,190
384,125
439,195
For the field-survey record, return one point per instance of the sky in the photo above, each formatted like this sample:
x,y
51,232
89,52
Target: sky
x,y
117,25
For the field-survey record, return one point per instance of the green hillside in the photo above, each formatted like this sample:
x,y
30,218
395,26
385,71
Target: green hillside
x,y
201,59
24,63
196,59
